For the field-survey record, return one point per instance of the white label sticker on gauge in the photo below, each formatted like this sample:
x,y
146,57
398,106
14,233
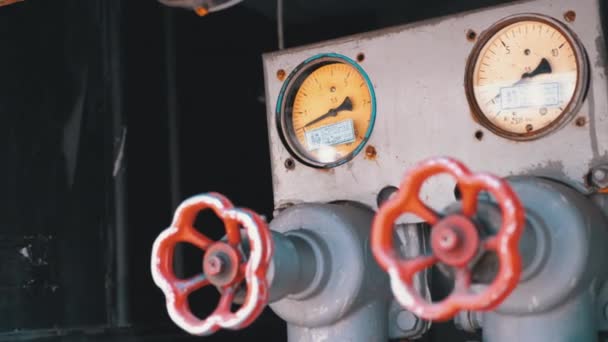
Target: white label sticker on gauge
x,y
335,134
530,95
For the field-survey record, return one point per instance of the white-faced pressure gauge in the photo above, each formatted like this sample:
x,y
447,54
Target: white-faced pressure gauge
x,y
526,77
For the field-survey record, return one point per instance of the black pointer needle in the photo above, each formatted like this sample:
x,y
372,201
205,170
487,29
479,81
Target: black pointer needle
x,y
346,105
543,68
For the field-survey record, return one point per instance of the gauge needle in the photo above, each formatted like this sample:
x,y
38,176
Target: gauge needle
x,y
542,68
346,105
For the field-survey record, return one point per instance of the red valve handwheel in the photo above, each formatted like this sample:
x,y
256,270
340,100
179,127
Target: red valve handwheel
x,y
454,240
224,265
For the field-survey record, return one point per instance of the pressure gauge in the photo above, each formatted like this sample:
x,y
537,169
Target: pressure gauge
x,y
326,111
526,77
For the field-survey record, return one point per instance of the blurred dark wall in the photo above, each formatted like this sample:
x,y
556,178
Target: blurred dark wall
x,y
53,138
81,79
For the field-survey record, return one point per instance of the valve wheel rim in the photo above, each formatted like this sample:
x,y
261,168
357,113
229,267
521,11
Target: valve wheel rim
x,y
253,271
504,243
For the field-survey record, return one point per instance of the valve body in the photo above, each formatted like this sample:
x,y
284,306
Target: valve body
x,y
564,267
348,297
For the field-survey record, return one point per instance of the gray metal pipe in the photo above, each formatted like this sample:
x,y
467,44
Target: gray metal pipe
x,y
368,324
294,268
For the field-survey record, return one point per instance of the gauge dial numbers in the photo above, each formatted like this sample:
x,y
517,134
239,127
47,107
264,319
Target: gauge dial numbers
x,y
526,77
326,112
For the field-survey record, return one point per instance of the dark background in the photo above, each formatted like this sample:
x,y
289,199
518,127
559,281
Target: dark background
x,y
92,168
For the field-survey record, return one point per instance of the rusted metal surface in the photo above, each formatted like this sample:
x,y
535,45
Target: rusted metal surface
x,y
423,110
370,152
570,16
281,75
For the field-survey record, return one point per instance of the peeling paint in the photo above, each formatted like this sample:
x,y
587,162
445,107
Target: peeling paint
x,y
547,167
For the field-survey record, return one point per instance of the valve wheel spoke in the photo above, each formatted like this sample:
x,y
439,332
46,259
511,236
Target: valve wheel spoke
x,y
197,238
233,231
491,243
226,300
469,200
412,266
423,211
462,279
187,286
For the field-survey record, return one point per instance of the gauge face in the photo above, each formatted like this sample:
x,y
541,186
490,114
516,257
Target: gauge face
x,y
327,111
526,77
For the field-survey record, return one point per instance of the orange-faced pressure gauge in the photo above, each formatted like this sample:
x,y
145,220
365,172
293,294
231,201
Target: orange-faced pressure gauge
x,y
326,111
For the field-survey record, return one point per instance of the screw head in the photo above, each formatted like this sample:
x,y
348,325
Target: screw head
x,y
580,121
471,35
290,164
281,74
370,152
599,175
570,16
406,321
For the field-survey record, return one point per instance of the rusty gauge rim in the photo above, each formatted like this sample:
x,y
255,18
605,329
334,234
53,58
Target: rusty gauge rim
x,y
529,106
326,111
